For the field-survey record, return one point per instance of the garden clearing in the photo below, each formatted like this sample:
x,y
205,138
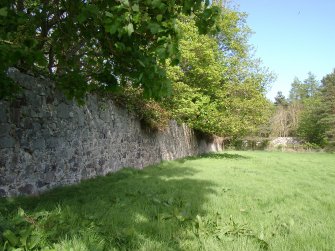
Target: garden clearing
x,y
223,201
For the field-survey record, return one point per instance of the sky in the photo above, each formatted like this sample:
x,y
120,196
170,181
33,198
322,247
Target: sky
x,y
292,38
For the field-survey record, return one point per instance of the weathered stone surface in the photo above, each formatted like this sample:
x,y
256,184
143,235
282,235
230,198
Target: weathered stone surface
x,y
285,141
2,193
53,142
50,141
5,129
64,110
26,189
3,114
38,144
7,142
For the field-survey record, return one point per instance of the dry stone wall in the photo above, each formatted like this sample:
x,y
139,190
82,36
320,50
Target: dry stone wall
x,y
48,141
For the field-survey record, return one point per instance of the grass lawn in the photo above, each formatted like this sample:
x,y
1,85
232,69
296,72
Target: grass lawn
x,y
228,201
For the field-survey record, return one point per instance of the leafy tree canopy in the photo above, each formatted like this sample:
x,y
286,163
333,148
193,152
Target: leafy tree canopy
x,y
88,44
328,107
193,50
280,99
303,90
218,87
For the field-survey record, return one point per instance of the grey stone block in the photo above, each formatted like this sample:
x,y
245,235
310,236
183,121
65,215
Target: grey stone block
x,y
63,110
5,129
41,184
38,144
3,114
2,193
7,142
26,189
34,100
53,142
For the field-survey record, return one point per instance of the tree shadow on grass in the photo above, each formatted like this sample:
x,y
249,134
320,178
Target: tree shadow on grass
x,y
150,209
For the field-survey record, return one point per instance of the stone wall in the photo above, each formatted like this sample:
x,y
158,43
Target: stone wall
x,y
47,141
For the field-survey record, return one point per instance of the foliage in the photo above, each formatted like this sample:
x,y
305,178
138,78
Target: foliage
x,y
17,46
301,91
217,87
143,51
24,232
311,146
89,45
293,116
148,111
328,108
223,201
316,119
310,126
248,143
309,114
285,119
280,99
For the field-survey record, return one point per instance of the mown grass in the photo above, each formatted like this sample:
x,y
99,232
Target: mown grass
x,y
227,201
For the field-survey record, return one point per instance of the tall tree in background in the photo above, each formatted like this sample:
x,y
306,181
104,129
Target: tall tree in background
x,y
280,99
301,91
295,116
280,119
308,103
310,126
328,105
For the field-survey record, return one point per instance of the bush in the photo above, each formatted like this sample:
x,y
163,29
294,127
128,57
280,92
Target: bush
x,y
248,144
311,146
148,111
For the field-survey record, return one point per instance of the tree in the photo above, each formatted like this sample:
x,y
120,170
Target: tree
x,y
218,88
289,112
96,45
310,126
296,92
280,99
304,104
280,122
328,106
303,90
139,48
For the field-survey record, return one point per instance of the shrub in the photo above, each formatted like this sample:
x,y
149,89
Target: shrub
x,y
148,111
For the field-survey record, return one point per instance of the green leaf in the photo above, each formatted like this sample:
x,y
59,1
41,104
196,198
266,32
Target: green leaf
x,y
154,28
159,17
33,241
82,17
120,46
108,14
112,28
11,237
129,28
3,12
141,63
20,212
136,8
24,236
161,52
125,2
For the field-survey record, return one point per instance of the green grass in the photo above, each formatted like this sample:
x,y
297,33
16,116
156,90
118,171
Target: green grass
x,y
228,201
